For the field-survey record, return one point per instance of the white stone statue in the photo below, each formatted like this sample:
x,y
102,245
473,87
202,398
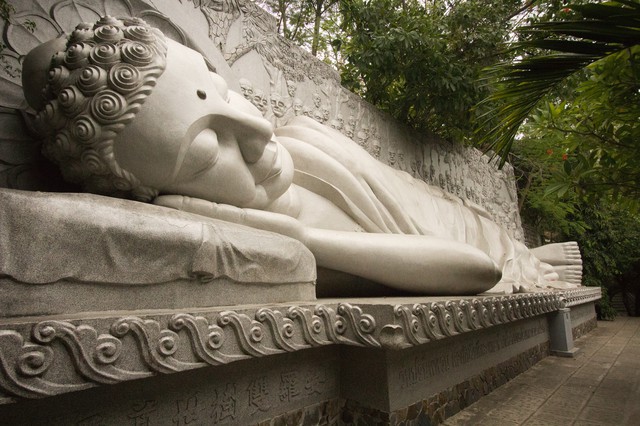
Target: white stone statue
x,y
131,114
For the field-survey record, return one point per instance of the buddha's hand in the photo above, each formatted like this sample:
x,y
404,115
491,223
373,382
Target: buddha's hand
x,y
268,221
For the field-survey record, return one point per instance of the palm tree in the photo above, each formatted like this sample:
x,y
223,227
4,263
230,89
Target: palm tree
x,y
568,46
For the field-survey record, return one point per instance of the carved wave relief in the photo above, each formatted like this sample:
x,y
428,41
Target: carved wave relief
x,y
102,350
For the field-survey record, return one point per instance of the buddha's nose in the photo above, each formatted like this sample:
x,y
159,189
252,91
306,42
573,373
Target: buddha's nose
x,y
252,133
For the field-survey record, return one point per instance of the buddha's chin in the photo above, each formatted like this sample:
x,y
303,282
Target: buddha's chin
x,y
268,192
276,184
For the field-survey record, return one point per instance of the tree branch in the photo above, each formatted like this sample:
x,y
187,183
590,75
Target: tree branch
x,y
519,11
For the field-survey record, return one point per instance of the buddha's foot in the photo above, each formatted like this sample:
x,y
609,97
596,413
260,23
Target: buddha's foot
x,y
567,253
571,274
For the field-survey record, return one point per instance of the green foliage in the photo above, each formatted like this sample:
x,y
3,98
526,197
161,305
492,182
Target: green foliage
x,y
606,311
607,231
597,31
313,24
576,153
595,128
535,164
419,61
611,244
579,162
610,248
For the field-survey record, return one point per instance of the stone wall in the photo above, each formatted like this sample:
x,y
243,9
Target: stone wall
x,y
583,319
240,43
283,81
444,404
345,363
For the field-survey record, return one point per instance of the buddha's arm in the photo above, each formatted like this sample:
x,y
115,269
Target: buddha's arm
x,y
415,263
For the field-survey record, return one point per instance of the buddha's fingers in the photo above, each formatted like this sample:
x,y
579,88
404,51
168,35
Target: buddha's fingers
x,y
202,207
258,219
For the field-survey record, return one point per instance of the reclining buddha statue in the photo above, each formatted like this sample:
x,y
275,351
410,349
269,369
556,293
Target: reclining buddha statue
x,y
126,112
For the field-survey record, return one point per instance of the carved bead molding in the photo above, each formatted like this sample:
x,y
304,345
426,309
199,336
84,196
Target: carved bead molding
x,y
105,350
580,296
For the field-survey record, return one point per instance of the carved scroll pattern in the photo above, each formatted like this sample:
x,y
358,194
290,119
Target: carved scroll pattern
x,y
26,366
102,350
423,323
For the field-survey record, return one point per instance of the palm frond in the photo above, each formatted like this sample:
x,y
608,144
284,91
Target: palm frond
x,y
606,29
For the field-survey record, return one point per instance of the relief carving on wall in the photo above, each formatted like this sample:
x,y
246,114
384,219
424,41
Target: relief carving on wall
x,y
102,349
297,84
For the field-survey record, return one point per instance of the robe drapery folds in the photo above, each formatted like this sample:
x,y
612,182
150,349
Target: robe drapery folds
x,y
381,199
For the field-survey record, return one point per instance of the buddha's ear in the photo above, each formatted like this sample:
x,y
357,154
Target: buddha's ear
x,y
35,70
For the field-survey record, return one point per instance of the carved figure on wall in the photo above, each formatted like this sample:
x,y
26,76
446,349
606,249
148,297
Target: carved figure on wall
x,y
400,156
349,132
376,148
326,113
281,109
279,106
419,168
363,136
297,106
317,100
318,115
291,88
432,174
213,154
260,101
352,121
337,123
441,181
350,128
392,157
246,88
448,181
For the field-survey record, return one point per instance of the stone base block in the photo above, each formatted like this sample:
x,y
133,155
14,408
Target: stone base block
x,y
446,403
566,354
583,319
365,361
310,387
239,393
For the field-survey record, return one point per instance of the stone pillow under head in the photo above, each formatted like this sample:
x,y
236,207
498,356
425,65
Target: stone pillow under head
x,y
90,239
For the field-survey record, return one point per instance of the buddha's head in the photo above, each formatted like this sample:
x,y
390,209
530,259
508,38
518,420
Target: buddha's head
x,y
129,113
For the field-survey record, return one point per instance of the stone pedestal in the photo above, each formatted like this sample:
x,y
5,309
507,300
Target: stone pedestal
x,y
359,361
561,337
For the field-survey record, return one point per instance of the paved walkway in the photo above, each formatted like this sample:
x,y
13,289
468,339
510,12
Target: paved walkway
x,y
600,386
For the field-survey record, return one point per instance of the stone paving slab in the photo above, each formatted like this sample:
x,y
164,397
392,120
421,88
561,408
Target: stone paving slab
x,y
600,386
